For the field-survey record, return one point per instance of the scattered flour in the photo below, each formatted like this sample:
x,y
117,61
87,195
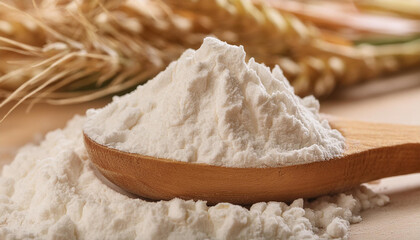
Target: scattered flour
x,y
52,191
212,107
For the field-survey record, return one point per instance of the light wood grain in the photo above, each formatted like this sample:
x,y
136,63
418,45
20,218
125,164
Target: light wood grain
x,y
373,151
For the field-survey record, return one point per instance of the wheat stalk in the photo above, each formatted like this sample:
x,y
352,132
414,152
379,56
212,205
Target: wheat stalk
x,y
407,8
79,51
313,64
64,52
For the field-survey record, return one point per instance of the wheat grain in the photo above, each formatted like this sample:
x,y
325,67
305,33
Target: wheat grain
x,y
63,52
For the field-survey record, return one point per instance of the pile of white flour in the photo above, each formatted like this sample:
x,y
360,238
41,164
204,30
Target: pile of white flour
x,y
52,191
210,106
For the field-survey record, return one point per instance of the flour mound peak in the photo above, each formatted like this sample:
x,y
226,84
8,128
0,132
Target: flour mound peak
x,y
211,106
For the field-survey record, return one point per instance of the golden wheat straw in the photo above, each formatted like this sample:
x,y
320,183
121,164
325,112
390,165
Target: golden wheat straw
x,y
63,52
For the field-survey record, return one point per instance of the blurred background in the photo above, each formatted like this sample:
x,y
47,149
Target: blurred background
x,y
66,52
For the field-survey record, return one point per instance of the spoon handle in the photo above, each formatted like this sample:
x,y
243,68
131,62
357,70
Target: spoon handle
x,y
389,149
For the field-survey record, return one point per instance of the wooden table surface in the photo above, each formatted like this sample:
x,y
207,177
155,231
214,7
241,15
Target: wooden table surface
x,y
392,100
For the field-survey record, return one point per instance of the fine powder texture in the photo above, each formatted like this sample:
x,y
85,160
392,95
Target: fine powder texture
x,y
210,106
52,191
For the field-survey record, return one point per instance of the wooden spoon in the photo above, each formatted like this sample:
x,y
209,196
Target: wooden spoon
x,y
373,151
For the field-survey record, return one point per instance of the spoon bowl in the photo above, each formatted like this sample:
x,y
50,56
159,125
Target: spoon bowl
x,y
373,151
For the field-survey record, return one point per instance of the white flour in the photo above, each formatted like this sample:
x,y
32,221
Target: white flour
x,y
210,106
51,191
